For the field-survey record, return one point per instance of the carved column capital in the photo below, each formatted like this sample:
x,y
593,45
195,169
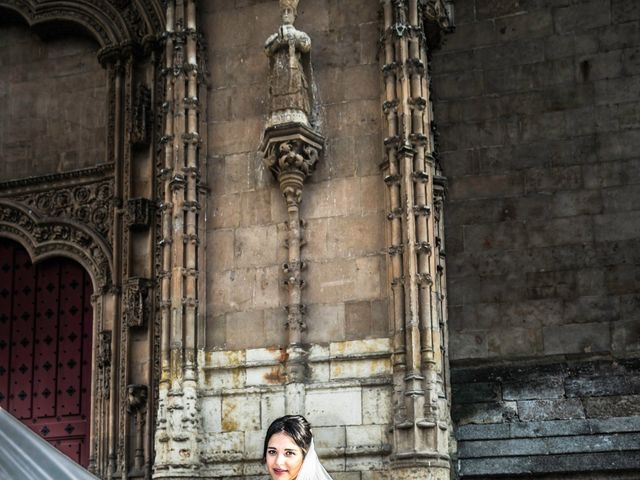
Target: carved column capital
x,y
291,152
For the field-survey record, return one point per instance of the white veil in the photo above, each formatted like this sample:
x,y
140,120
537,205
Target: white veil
x,y
311,468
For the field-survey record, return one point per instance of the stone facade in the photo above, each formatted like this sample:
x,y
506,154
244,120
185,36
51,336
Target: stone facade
x,y
538,132
254,256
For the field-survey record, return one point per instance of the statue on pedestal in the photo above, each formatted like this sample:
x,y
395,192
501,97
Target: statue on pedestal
x,y
290,77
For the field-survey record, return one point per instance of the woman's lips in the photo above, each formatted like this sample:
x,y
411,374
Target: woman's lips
x,y
279,471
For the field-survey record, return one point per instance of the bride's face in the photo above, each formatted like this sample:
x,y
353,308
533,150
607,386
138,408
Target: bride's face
x,y
284,457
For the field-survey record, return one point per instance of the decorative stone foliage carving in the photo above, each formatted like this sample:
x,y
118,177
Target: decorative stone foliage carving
x,y
104,362
44,235
141,121
116,24
140,213
89,204
137,301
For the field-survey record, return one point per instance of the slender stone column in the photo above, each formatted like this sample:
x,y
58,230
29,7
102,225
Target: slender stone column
x,y
291,147
421,408
291,152
178,417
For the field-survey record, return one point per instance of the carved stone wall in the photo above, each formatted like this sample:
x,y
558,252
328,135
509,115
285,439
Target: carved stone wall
x,y
77,159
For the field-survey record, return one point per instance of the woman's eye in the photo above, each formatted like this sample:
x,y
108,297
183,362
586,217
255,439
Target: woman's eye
x,y
271,452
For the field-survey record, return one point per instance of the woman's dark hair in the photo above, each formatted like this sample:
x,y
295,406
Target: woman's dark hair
x,y
296,426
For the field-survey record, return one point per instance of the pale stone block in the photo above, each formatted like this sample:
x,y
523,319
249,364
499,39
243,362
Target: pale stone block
x,y
359,347
355,235
263,355
325,322
224,379
237,326
333,464
235,136
345,476
271,407
222,447
278,205
315,234
230,291
338,406
320,372
360,368
329,437
267,293
368,277
364,435
255,208
340,196
223,211
255,246
211,412
258,376
333,281
220,248
237,173
224,358
372,191
240,412
369,462
319,352
253,444
376,405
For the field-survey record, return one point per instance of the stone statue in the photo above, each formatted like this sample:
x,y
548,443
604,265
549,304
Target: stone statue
x,y
290,93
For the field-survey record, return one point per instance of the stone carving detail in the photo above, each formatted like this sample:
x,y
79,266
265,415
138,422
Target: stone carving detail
x,y
117,24
421,418
137,301
438,19
290,74
104,362
137,408
90,205
141,122
48,235
140,213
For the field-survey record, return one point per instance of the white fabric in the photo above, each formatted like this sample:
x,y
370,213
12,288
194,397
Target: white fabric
x,y
311,468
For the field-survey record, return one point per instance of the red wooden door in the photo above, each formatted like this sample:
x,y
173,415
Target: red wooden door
x,y
45,347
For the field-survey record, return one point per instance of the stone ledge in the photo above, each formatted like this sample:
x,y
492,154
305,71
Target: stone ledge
x,y
546,429
577,444
539,464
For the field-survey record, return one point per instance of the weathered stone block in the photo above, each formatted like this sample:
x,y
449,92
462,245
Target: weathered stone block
x,y
577,338
614,406
376,405
271,407
493,412
355,236
239,413
581,17
331,407
255,246
554,409
211,408
256,207
325,322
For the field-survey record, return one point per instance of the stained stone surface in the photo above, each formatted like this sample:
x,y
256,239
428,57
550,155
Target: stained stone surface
x,y
539,134
53,97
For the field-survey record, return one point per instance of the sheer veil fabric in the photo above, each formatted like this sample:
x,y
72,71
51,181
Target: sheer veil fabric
x,y
311,468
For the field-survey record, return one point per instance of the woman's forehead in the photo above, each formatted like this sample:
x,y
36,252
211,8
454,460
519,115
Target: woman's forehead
x,y
282,441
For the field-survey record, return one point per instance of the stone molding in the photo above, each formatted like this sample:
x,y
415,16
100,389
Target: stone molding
x,y
44,236
118,26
